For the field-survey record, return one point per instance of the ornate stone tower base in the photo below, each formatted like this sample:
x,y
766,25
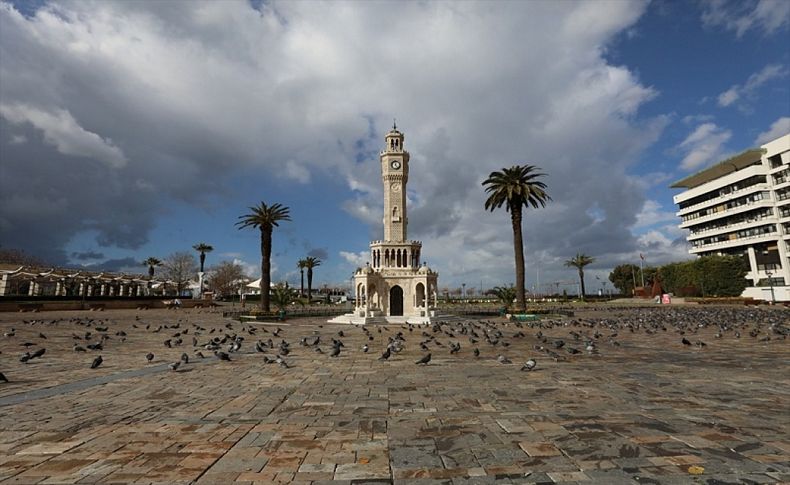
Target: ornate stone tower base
x,y
394,286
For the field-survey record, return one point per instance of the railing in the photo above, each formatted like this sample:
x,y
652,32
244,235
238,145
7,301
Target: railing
x,y
724,197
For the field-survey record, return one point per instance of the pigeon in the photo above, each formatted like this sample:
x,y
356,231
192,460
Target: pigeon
x,y
686,341
41,335
222,356
477,352
386,354
175,365
365,348
200,354
27,344
335,351
38,353
78,348
185,358
97,362
425,359
529,365
168,343
3,378
149,356
503,360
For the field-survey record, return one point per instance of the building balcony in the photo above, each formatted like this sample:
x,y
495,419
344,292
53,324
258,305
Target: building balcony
x,y
732,243
731,227
728,212
723,198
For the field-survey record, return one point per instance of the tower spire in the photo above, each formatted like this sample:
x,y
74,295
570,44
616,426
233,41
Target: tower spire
x,y
394,126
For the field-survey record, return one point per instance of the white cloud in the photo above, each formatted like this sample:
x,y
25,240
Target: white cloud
x,y
307,90
780,127
251,270
704,145
62,131
753,83
358,260
296,172
652,214
18,139
765,16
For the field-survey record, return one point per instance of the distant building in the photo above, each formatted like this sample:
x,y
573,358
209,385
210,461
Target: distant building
x,y
741,206
30,281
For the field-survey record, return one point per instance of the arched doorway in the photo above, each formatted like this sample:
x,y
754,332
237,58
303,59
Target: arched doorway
x,y
420,295
396,301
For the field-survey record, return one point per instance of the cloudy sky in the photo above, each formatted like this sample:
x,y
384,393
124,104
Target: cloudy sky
x,y
134,129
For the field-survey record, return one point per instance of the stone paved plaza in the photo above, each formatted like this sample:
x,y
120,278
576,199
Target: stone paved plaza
x,y
643,408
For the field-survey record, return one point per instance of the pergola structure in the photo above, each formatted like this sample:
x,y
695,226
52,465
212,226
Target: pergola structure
x,y
56,282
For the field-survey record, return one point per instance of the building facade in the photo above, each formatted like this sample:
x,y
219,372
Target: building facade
x,y
741,206
394,286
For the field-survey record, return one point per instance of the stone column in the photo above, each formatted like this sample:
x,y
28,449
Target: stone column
x,y
103,290
753,265
31,291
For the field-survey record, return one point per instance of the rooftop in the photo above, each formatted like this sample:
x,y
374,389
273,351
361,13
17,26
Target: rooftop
x,y
720,169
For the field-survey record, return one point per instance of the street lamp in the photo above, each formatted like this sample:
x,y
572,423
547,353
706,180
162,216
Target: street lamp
x,y
768,273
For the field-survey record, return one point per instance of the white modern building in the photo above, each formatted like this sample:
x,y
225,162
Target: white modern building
x,y
741,206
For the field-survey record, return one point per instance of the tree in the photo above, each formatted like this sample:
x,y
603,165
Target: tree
x,y
203,249
225,278
180,267
515,188
623,277
310,262
265,218
579,262
282,296
301,264
505,294
17,256
152,263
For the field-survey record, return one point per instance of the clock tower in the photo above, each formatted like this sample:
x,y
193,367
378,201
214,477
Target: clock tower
x,y
395,175
395,285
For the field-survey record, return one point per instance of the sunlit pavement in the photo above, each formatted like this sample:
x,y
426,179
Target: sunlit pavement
x,y
650,410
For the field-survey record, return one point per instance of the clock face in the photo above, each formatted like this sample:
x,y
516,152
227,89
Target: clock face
x,y
395,164
395,187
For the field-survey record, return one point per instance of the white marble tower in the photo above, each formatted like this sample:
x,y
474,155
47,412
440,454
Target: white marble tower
x,y
394,286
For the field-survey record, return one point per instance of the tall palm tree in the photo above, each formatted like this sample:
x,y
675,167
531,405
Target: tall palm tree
x,y
515,188
301,264
203,249
265,218
579,262
152,263
310,262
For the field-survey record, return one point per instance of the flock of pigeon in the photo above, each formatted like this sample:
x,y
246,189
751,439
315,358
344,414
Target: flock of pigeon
x,y
482,337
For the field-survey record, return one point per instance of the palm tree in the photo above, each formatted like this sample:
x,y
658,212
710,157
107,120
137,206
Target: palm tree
x,y
152,263
282,296
265,218
515,188
505,294
301,264
310,262
579,262
203,249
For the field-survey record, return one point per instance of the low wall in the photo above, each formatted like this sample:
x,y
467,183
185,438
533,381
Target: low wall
x,y
781,293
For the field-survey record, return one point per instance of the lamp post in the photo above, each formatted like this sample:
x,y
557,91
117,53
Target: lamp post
x,y
768,273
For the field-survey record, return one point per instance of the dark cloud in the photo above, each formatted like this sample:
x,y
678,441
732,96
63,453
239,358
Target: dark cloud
x,y
320,253
87,255
127,265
